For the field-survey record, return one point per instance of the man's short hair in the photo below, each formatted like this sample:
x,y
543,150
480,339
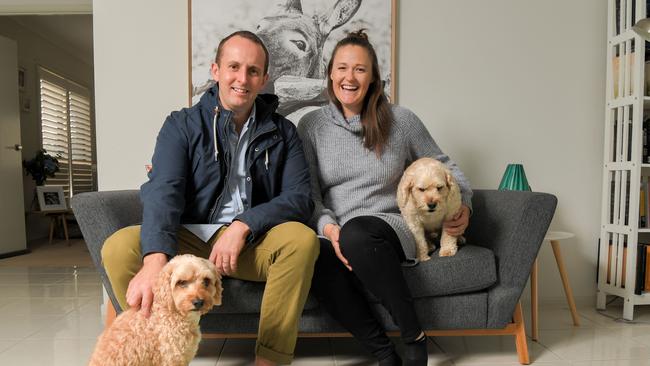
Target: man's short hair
x,y
251,37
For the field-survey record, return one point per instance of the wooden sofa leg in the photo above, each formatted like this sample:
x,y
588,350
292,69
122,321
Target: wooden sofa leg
x,y
111,314
520,336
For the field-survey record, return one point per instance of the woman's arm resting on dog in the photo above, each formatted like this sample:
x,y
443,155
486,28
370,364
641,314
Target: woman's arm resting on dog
x,y
457,225
139,295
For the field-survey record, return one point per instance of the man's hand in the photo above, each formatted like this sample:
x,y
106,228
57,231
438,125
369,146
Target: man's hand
x,y
332,232
139,295
225,251
457,225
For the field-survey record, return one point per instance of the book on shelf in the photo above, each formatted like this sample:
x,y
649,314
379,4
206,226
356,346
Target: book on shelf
x,y
646,287
645,150
643,212
646,202
641,264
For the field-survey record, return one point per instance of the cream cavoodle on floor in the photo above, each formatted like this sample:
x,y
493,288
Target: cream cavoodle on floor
x,y
427,195
188,287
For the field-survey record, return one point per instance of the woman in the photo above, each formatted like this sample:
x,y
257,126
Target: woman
x,y
358,147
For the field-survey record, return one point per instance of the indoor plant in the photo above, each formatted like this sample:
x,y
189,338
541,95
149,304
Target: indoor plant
x,y
41,166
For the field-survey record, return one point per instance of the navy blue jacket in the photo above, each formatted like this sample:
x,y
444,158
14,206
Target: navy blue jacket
x,y
188,179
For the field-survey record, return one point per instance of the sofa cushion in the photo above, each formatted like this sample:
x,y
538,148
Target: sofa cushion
x,y
473,268
246,297
441,312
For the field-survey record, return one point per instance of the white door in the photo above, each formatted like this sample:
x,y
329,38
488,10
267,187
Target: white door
x,y
12,208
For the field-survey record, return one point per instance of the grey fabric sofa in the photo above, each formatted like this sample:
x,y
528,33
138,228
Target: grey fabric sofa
x,y
474,292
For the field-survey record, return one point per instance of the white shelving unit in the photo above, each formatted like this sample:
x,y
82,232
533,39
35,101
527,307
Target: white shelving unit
x,y
622,170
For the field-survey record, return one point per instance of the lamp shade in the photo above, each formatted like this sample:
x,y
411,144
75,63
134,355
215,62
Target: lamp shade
x,y
514,179
642,28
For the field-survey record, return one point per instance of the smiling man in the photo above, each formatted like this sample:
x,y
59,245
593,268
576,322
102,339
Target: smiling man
x,y
230,183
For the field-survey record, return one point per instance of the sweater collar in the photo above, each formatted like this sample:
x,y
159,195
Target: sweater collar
x,y
352,124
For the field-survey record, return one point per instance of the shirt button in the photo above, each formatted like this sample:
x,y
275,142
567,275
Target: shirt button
x,y
275,137
248,179
257,149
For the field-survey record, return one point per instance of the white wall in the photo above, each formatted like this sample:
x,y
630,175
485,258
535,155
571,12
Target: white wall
x,y
495,82
517,81
34,51
140,77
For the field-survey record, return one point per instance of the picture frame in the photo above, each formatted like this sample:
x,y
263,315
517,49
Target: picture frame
x,y
51,198
298,61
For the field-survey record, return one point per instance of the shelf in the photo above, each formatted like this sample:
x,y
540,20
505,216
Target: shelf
x,y
644,230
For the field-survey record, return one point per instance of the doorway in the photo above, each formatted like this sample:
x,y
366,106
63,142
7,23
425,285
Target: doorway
x,y
63,45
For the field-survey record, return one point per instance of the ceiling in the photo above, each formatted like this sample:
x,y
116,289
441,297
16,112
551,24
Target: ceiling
x,y
73,33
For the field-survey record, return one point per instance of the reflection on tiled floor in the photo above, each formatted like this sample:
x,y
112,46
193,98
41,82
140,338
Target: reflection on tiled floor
x,y
51,316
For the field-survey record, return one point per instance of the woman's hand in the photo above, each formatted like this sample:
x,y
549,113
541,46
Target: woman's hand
x,y
457,225
332,232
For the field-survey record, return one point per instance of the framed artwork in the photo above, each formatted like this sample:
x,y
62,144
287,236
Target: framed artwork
x,y
51,198
300,36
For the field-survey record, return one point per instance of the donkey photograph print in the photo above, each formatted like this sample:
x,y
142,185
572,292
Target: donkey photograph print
x,y
299,35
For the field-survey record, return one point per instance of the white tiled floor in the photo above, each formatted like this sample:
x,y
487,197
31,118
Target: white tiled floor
x,y
51,316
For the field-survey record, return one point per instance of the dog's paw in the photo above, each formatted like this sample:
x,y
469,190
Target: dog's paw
x,y
423,258
448,252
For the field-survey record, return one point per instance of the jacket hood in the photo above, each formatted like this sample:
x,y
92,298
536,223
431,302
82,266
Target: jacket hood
x,y
353,124
265,103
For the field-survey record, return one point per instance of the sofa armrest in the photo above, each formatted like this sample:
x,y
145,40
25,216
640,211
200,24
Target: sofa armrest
x,y
99,215
512,224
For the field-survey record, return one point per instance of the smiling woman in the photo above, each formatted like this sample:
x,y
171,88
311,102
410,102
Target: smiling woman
x,y
358,147
350,73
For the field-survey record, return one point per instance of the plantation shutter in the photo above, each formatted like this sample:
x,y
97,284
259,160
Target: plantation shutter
x,y
66,122
80,143
54,127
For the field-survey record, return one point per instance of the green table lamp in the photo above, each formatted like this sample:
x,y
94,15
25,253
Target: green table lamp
x,y
514,179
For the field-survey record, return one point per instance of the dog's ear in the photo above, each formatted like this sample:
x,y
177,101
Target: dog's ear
x,y
218,288
450,179
404,188
162,291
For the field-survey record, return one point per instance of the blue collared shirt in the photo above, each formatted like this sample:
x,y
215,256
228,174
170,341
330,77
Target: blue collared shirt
x,y
234,199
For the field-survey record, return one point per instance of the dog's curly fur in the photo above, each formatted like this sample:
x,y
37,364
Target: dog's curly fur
x,y
427,195
187,287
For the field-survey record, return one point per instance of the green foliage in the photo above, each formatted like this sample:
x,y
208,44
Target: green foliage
x,y
41,166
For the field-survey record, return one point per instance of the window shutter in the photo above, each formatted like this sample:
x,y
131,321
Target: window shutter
x,y
54,123
66,124
80,143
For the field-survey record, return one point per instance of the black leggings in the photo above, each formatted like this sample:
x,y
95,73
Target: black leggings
x,y
374,252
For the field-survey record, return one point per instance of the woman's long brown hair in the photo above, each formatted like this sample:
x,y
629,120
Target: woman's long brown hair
x,y
376,115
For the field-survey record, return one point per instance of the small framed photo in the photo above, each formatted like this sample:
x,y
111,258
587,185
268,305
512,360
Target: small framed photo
x,y
51,198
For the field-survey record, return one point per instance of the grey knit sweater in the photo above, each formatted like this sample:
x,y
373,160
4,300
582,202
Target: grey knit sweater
x,y
349,180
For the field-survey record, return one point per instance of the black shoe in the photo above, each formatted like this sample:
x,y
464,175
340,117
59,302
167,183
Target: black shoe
x,y
392,360
415,353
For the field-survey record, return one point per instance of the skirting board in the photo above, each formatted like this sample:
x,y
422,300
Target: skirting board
x,y
15,254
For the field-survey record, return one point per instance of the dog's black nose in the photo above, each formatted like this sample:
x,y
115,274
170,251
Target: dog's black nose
x,y
198,303
432,206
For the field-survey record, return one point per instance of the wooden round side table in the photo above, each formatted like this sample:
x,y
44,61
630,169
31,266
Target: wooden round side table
x,y
554,237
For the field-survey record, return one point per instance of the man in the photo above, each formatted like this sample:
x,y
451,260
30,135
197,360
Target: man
x,y
229,182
